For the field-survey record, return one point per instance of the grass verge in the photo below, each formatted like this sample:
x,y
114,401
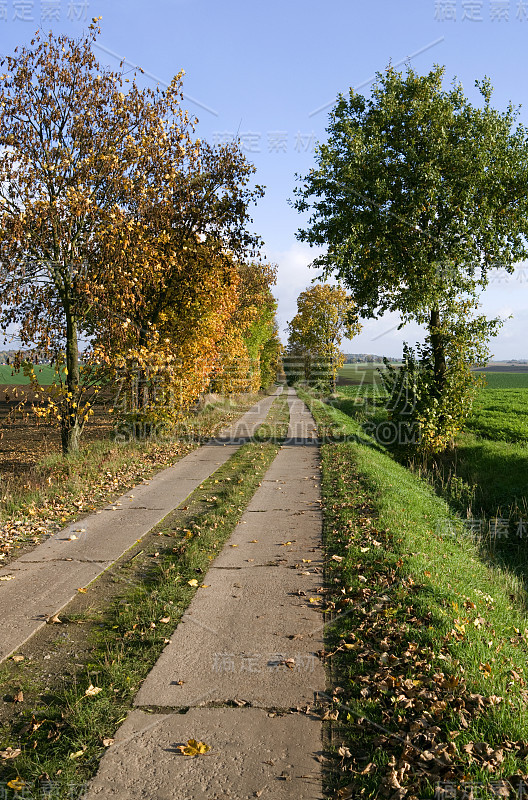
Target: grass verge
x,y
426,644
65,702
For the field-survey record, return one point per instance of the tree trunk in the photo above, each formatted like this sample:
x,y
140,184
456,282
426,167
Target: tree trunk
x,y
438,350
71,427
70,438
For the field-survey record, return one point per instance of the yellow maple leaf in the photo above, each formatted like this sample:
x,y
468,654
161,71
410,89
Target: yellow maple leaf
x,y
17,784
194,748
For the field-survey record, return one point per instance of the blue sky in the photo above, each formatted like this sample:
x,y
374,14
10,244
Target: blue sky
x,y
263,69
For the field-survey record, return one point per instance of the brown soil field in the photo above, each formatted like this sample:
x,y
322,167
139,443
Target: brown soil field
x,y
25,440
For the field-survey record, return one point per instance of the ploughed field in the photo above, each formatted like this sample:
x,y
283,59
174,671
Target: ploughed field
x,y
25,439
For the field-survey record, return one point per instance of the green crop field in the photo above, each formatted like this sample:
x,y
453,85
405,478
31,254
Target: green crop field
x,y
492,455
361,374
9,377
501,414
506,380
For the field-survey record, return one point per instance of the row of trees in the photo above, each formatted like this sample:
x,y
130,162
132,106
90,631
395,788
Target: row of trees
x,y
125,250
416,196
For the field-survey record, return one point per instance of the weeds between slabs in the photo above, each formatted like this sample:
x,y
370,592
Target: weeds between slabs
x,y
111,637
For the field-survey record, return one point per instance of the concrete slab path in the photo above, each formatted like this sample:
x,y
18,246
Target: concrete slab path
x,y
241,670
42,582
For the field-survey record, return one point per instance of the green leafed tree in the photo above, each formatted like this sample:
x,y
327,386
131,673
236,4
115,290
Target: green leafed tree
x,y
416,195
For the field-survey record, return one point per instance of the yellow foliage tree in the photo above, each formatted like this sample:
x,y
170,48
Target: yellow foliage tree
x,y
325,315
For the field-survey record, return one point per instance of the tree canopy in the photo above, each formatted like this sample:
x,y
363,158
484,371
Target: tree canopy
x,y
417,194
325,315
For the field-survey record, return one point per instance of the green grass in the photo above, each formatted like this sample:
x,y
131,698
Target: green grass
x,y
501,413
506,380
44,374
127,639
425,634
486,478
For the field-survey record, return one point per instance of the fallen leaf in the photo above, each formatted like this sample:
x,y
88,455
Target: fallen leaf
x,y
17,658
108,742
6,577
18,696
17,784
193,582
54,620
82,590
78,754
165,619
193,748
10,752
92,690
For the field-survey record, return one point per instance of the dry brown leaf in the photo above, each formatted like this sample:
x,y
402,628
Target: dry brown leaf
x,y
10,752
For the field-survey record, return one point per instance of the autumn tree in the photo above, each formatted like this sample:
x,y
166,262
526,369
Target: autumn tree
x,y
325,315
177,248
71,139
251,347
416,195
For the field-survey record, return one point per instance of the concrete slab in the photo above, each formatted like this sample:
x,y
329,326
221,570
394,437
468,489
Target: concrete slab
x,y
252,755
253,615
233,638
47,579
257,540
